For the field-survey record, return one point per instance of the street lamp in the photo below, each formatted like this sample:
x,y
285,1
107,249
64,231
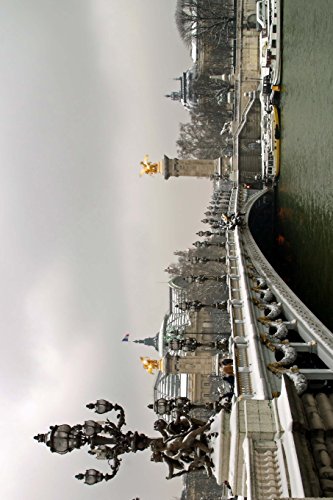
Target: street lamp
x,y
210,233
161,406
190,344
101,406
63,438
207,244
107,441
182,405
212,221
93,476
213,212
196,305
202,278
204,260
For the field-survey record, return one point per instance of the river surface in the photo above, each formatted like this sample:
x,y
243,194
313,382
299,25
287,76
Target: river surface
x,y
304,237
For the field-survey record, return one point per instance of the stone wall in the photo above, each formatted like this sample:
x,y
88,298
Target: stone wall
x,y
247,115
247,55
249,148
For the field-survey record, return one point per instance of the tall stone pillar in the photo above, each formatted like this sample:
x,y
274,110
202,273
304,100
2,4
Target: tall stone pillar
x,y
203,364
189,168
174,167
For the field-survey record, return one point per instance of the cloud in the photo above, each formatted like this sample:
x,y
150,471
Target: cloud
x,y
83,238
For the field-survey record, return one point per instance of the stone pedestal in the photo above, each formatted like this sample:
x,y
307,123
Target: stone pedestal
x,y
189,168
197,363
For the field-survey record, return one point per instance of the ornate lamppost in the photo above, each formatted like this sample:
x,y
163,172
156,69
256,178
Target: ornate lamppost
x,y
202,278
209,233
220,198
213,213
204,260
196,305
183,444
207,244
217,204
216,210
186,344
162,406
220,195
190,344
216,177
180,335
210,220
181,406
93,476
101,406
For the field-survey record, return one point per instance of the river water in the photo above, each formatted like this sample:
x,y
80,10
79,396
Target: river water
x,y
304,237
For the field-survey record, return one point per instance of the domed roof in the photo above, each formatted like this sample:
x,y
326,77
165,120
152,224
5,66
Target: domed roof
x,y
178,282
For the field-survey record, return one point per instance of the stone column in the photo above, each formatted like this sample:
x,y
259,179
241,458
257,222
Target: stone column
x,y
189,168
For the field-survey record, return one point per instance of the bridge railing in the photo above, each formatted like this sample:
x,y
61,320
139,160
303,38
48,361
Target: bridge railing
x,y
244,338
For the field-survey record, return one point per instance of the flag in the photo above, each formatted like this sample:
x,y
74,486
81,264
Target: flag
x,y
126,338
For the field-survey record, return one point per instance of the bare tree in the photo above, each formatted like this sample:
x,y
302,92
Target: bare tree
x,y
200,138
206,19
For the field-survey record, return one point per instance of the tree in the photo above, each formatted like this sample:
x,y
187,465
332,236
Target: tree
x,y
211,20
207,88
200,138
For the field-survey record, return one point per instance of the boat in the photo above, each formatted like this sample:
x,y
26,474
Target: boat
x,y
276,139
269,23
274,41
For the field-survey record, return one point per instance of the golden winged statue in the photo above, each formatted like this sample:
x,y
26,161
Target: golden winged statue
x,y
150,364
148,167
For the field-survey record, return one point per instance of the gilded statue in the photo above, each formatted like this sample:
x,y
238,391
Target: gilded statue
x,y
150,364
148,167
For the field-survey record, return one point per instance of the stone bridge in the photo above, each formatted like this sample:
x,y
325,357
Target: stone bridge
x,y
277,440
246,264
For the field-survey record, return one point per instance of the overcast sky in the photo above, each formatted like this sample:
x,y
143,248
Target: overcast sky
x,y
84,240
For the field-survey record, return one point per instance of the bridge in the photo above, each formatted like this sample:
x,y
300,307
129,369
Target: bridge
x,y
277,440
247,264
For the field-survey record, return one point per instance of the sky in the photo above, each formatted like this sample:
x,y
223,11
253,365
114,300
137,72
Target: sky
x,y
84,239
